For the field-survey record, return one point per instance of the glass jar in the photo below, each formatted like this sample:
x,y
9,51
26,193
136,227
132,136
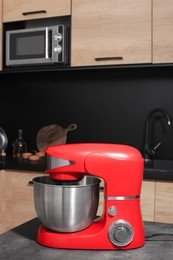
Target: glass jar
x,y
19,145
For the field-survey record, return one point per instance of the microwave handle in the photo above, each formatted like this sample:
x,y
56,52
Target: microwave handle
x,y
47,44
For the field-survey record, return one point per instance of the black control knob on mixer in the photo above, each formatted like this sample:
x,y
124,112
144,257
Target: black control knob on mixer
x,y
121,233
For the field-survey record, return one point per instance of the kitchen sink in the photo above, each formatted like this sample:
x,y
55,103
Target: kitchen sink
x,y
160,166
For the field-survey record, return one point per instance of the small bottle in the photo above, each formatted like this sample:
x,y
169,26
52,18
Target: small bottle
x,y
19,146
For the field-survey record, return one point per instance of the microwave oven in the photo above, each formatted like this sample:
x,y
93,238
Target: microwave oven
x,y
44,45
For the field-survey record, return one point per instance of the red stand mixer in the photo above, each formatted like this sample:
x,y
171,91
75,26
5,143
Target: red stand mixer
x,y
121,167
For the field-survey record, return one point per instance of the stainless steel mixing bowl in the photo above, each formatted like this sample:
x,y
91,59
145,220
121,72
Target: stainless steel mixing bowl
x,y
66,207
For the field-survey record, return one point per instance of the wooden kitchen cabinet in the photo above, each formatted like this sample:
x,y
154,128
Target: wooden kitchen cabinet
x,y
0,34
156,201
163,202
5,201
16,198
162,31
24,10
148,200
111,32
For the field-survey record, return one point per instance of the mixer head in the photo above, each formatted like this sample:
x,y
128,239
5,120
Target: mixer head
x,y
73,161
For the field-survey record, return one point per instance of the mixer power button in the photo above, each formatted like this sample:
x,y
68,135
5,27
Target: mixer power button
x,y
112,211
121,233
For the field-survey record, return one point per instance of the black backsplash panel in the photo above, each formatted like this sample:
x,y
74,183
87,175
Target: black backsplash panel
x,y
108,105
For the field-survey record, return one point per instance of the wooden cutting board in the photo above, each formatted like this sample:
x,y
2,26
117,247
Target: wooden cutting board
x,y
52,135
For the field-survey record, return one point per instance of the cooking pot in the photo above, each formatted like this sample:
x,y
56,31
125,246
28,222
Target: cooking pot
x,y
66,207
3,139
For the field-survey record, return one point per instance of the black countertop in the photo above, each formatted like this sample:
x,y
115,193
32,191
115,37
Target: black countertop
x,y
23,164
158,175
19,243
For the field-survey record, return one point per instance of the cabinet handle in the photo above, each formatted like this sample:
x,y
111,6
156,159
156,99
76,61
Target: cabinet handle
x,y
109,58
35,12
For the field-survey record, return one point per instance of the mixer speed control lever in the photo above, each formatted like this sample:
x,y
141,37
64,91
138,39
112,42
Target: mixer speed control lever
x,y
121,233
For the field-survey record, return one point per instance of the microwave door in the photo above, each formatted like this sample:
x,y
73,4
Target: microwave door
x,y
28,46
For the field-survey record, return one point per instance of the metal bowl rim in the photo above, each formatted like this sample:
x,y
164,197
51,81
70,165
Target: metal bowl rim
x,y
36,181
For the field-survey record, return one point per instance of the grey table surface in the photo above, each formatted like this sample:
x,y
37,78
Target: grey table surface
x,y
20,244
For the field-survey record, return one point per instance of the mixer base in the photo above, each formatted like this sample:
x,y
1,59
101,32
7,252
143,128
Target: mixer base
x,y
94,237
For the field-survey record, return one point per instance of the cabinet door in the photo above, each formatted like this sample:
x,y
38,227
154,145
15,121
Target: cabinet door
x,y
111,32
0,35
148,200
162,31
33,9
6,201
17,200
163,204
23,201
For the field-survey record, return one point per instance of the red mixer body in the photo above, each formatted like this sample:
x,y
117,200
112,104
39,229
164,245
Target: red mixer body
x,y
121,167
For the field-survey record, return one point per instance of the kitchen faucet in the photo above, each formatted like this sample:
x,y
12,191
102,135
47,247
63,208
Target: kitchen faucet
x,y
148,151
